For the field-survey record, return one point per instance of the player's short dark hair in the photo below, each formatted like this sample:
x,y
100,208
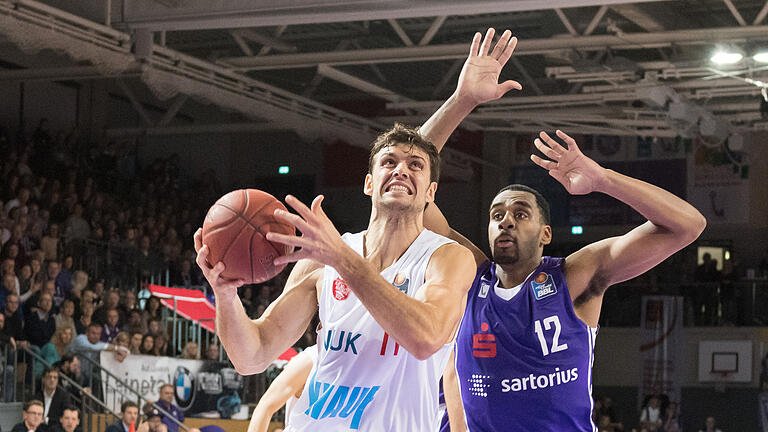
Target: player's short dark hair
x,y
541,202
94,324
401,134
128,404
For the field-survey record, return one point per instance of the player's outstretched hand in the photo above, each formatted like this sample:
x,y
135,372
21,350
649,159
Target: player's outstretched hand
x,y
479,78
219,284
319,240
579,174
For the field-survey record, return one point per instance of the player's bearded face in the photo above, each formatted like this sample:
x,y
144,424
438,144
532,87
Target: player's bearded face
x,y
514,229
400,179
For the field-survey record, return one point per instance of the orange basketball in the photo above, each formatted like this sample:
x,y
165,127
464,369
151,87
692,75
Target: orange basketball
x,y
234,231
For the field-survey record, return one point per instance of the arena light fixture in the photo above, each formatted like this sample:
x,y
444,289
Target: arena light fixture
x,y
726,56
761,56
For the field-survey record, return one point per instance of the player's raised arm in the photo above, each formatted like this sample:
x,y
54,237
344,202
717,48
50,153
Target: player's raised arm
x,y
281,324
478,83
672,222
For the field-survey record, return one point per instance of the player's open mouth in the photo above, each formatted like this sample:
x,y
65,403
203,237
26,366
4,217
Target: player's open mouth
x,y
398,187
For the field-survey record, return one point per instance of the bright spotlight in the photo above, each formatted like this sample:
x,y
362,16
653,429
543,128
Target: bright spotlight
x,y
761,57
726,57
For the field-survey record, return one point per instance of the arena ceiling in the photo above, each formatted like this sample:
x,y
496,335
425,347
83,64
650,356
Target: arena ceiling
x,y
351,67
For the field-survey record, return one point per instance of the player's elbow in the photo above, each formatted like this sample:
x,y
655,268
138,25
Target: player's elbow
x,y
696,225
248,368
425,350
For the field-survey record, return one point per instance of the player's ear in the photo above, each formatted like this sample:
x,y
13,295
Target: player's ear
x,y
431,191
368,185
546,235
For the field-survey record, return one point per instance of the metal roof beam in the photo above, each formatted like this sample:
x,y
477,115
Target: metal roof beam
x,y
627,41
203,14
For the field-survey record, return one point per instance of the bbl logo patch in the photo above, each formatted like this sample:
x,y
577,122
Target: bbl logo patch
x,y
184,386
543,286
340,289
401,282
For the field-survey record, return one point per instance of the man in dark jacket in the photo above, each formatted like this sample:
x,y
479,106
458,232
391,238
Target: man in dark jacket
x,y
32,417
40,324
54,399
130,413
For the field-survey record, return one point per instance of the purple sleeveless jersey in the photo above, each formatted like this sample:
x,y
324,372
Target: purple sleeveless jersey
x,y
525,364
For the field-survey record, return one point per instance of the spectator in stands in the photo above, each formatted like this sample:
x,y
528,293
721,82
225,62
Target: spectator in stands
x,y
606,410
162,348
671,420
154,328
62,340
25,282
53,399
69,420
111,301
98,292
14,325
130,414
64,278
8,351
135,345
89,346
38,276
31,303
123,343
166,403
32,417
148,345
50,243
20,201
152,310
65,317
40,325
8,286
190,351
212,352
187,277
69,365
710,425
147,261
76,227
110,330
153,420
86,312
650,416
127,304
135,323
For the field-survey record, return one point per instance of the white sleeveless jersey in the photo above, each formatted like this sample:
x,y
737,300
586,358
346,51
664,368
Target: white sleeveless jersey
x,y
363,380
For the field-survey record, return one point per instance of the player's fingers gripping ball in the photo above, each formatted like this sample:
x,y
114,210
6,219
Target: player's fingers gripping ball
x,y
235,230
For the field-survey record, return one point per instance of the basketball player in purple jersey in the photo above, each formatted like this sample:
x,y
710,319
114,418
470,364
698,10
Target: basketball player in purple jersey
x,y
524,351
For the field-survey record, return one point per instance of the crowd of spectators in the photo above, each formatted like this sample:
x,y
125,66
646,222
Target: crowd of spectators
x,y
657,414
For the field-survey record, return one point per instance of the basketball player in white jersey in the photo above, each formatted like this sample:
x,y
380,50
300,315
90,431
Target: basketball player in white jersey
x,y
390,298
284,390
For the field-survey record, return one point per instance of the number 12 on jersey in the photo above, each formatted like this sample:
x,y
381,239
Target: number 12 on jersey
x,y
548,324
